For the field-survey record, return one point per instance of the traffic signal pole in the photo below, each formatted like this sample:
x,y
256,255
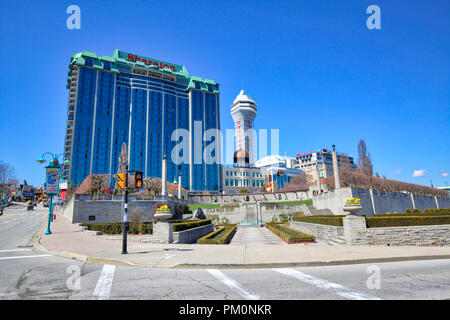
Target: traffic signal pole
x,y
125,214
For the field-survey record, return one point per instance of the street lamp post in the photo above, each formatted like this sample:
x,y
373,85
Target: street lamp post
x,y
52,179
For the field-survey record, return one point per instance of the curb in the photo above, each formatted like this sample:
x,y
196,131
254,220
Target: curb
x,y
305,264
35,242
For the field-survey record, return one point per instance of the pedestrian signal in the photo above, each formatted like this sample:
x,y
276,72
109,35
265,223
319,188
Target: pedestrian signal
x,y
138,179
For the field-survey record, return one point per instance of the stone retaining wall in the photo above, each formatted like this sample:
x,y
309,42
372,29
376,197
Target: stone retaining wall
x,y
378,202
320,231
243,198
163,232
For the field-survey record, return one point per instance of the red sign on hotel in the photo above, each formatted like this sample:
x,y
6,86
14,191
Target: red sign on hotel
x,y
134,58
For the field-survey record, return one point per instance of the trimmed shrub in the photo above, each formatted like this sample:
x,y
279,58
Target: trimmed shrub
x,y
180,226
416,211
331,220
289,235
117,227
406,220
220,236
409,211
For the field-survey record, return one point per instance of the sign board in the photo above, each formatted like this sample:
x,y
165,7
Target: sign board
x,y
51,180
57,200
121,180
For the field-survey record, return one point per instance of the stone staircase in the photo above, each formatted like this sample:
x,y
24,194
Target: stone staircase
x,y
319,212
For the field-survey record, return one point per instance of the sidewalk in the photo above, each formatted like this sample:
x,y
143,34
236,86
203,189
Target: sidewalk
x,y
69,241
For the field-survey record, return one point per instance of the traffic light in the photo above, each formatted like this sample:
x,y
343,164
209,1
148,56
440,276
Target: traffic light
x,y
121,180
138,179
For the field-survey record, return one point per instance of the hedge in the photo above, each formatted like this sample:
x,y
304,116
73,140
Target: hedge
x,y
117,227
331,220
289,235
404,221
220,236
417,212
180,226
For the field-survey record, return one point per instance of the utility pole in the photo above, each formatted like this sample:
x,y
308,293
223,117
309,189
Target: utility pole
x,y
125,213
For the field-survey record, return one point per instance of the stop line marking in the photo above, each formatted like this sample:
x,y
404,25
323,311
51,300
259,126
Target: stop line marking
x,y
323,284
12,250
23,257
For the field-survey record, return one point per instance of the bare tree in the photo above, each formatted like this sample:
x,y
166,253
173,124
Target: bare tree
x,y
364,159
299,182
98,183
123,162
153,185
6,173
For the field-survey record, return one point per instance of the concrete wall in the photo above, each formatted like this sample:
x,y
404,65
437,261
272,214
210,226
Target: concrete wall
x,y
242,198
192,235
163,232
80,209
320,231
377,202
356,233
265,214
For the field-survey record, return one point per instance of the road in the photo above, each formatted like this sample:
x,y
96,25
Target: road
x,y
27,273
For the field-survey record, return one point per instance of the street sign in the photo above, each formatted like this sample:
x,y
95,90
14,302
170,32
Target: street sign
x,y
51,179
121,180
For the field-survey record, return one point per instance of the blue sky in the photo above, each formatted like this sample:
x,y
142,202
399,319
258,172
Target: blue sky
x,y
317,72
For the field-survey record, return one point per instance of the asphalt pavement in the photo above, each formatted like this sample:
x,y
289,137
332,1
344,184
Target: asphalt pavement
x,y
28,273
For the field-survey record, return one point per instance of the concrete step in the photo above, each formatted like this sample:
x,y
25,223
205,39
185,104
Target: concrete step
x,y
319,212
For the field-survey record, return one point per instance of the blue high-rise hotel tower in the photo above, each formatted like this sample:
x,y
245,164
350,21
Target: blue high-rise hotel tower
x,y
139,101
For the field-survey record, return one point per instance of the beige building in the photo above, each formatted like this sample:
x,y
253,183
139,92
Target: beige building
x,y
236,178
320,163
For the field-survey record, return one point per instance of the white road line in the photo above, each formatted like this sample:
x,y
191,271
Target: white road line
x,y
103,288
232,284
323,284
11,250
23,257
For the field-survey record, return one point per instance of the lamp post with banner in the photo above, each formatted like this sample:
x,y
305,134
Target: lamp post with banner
x,y
52,179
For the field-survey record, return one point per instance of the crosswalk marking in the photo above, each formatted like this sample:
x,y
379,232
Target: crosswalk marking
x,y
23,257
12,250
103,288
323,284
232,284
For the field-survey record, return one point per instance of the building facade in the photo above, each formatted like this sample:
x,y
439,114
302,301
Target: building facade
x,y
126,98
236,178
278,170
243,111
318,164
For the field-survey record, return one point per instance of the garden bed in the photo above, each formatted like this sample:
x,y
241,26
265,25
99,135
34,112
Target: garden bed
x,y
331,220
289,235
220,236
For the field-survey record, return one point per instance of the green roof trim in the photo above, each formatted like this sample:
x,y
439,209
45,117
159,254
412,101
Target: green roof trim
x,y
123,58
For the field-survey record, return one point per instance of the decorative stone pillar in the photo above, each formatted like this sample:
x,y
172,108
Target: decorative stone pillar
x,y
437,203
179,186
355,230
337,181
319,188
164,176
163,231
412,200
